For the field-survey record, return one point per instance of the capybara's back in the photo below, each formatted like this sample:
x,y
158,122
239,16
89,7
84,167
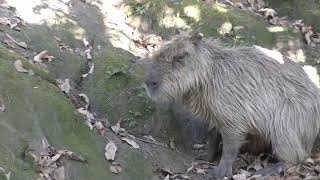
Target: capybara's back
x,y
242,91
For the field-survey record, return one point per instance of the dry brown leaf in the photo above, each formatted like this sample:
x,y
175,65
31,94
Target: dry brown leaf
x,y
111,150
65,86
58,174
115,168
131,142
43,55
19,66
2,106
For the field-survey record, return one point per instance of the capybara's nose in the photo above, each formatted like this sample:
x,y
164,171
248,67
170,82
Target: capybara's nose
x,y
152,83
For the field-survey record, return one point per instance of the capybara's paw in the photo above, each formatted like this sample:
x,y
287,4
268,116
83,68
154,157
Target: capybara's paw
x,y
272,170
218,174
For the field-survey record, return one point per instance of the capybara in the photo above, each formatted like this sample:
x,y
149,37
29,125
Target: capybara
x,y
241,91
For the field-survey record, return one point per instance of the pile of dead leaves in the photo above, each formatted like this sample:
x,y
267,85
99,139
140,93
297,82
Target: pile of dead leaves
x,y
50,162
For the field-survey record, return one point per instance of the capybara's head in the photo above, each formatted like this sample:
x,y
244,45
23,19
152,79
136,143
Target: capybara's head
x,y
175,68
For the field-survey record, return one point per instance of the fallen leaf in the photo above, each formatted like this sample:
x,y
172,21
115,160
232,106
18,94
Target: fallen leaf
x,y
85,42
226,28
21,44
72,155
315,38
86,99
99,126
115,168
268,13
167,177
19,66
116,128
4,21
131,142
57,38
9,43
2,106
166,171
111,150
8,175
239,177
180,176
88,114
88,53
198,146
90,71
65,86
308,37
59,174
43,55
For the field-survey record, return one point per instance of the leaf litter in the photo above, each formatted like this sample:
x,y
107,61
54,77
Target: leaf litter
x,y
19,43
19,66
50,161
111,150
6,174
115,168
41,56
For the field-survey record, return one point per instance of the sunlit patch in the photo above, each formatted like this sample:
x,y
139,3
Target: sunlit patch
x,y
312,74
172,20
297,56
275,29
39,11
220,9
274,54
193,11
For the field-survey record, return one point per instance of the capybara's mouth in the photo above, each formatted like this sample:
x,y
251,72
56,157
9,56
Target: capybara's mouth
x,y
155,95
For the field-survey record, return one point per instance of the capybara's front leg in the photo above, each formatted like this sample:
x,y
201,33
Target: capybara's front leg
x,y
231,145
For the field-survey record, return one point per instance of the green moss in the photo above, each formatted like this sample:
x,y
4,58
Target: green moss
x,y
37,109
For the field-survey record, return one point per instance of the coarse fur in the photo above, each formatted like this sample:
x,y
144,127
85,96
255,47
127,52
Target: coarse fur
x,y
242,91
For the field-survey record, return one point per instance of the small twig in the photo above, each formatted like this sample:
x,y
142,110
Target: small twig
x,y
152,142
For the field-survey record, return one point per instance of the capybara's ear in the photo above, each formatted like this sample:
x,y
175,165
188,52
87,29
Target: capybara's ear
x,y
196,38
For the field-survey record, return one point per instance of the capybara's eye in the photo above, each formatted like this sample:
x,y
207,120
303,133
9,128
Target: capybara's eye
x,y
180,57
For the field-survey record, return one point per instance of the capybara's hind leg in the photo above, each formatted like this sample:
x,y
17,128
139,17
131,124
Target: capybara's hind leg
x,y
287,147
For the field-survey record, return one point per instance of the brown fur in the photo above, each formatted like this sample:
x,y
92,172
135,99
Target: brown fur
x,y
243,92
